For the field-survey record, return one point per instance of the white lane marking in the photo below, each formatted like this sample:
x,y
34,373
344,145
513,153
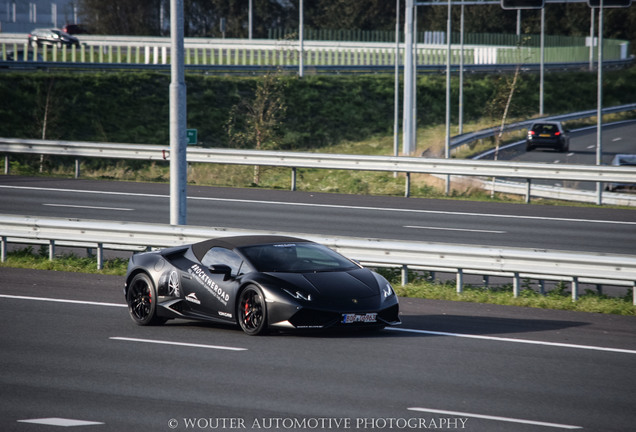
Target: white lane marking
x,y
617,139
56,421
436,333
194,345
522,341
454,229
346,207
88,207
497,418
82,302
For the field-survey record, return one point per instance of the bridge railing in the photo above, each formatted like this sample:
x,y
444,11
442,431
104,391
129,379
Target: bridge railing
x,y
246,52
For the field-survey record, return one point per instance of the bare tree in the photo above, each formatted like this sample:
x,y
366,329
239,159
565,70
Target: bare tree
x,y
255,122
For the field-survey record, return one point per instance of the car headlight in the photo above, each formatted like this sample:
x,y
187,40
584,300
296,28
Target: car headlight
x,y
387,291
299,295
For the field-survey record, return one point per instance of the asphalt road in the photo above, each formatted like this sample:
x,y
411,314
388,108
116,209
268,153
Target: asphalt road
x,y
71,353
448,221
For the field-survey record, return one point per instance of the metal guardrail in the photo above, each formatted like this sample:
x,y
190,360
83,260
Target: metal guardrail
x,y
294,160
517,263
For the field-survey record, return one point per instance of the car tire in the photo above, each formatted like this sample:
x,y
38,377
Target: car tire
x,y
252,311
565,147
142,301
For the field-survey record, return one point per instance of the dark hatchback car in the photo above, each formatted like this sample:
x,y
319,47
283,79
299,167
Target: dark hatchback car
x,y
548,134
53,37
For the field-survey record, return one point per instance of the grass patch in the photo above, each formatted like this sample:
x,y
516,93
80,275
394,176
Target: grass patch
x,y
587,302
39,260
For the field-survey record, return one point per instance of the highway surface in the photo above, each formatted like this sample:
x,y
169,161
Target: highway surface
x,y
71,356
447,221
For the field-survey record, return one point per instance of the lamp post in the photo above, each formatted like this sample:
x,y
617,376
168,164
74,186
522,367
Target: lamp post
x,y
178,138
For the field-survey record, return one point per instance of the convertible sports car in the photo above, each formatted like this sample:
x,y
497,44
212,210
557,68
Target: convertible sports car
x,y
259,282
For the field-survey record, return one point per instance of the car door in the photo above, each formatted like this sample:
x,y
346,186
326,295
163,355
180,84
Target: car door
x,y
210,286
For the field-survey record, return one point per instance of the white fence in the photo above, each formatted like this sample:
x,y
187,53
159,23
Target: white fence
x,y
206,51
516,263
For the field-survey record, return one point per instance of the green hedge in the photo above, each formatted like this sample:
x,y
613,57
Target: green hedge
x,y
321,110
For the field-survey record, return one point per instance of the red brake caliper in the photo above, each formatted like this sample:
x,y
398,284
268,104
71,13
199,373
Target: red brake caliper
x,y
247,309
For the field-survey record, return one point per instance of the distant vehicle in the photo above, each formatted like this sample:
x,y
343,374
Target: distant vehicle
x,y
622,160
73,29
53,37
548,134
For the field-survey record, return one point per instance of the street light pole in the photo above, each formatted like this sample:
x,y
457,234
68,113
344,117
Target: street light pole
x,y
301,48
407,112
178,138
599,106
396,109
448,92
542,66
249,19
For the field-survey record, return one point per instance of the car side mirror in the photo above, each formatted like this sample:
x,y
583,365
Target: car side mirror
x,y
223,269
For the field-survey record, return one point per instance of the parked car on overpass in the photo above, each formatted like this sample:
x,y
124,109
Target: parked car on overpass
x,y
53,37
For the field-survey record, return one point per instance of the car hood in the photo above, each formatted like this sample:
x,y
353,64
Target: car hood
x,y
356,283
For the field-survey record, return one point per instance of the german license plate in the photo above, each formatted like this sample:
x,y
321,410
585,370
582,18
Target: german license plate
x,y
359,318
545,135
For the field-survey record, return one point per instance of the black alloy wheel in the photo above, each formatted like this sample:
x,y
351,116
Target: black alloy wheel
x,y
142,301
252,311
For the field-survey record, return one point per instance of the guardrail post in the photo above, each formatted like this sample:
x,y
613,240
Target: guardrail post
x,y
575,288
528,186
6,164
407,185
634,293
51,250
460,281
515,285
77,168
293,179
405,274
100,256
3,249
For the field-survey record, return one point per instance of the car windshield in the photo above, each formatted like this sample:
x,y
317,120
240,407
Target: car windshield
x,y
544,128
295,257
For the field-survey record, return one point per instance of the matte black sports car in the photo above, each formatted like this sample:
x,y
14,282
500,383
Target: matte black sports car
x,y
259,282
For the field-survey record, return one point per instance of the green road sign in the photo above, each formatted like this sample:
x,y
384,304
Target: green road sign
x,y
192,136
